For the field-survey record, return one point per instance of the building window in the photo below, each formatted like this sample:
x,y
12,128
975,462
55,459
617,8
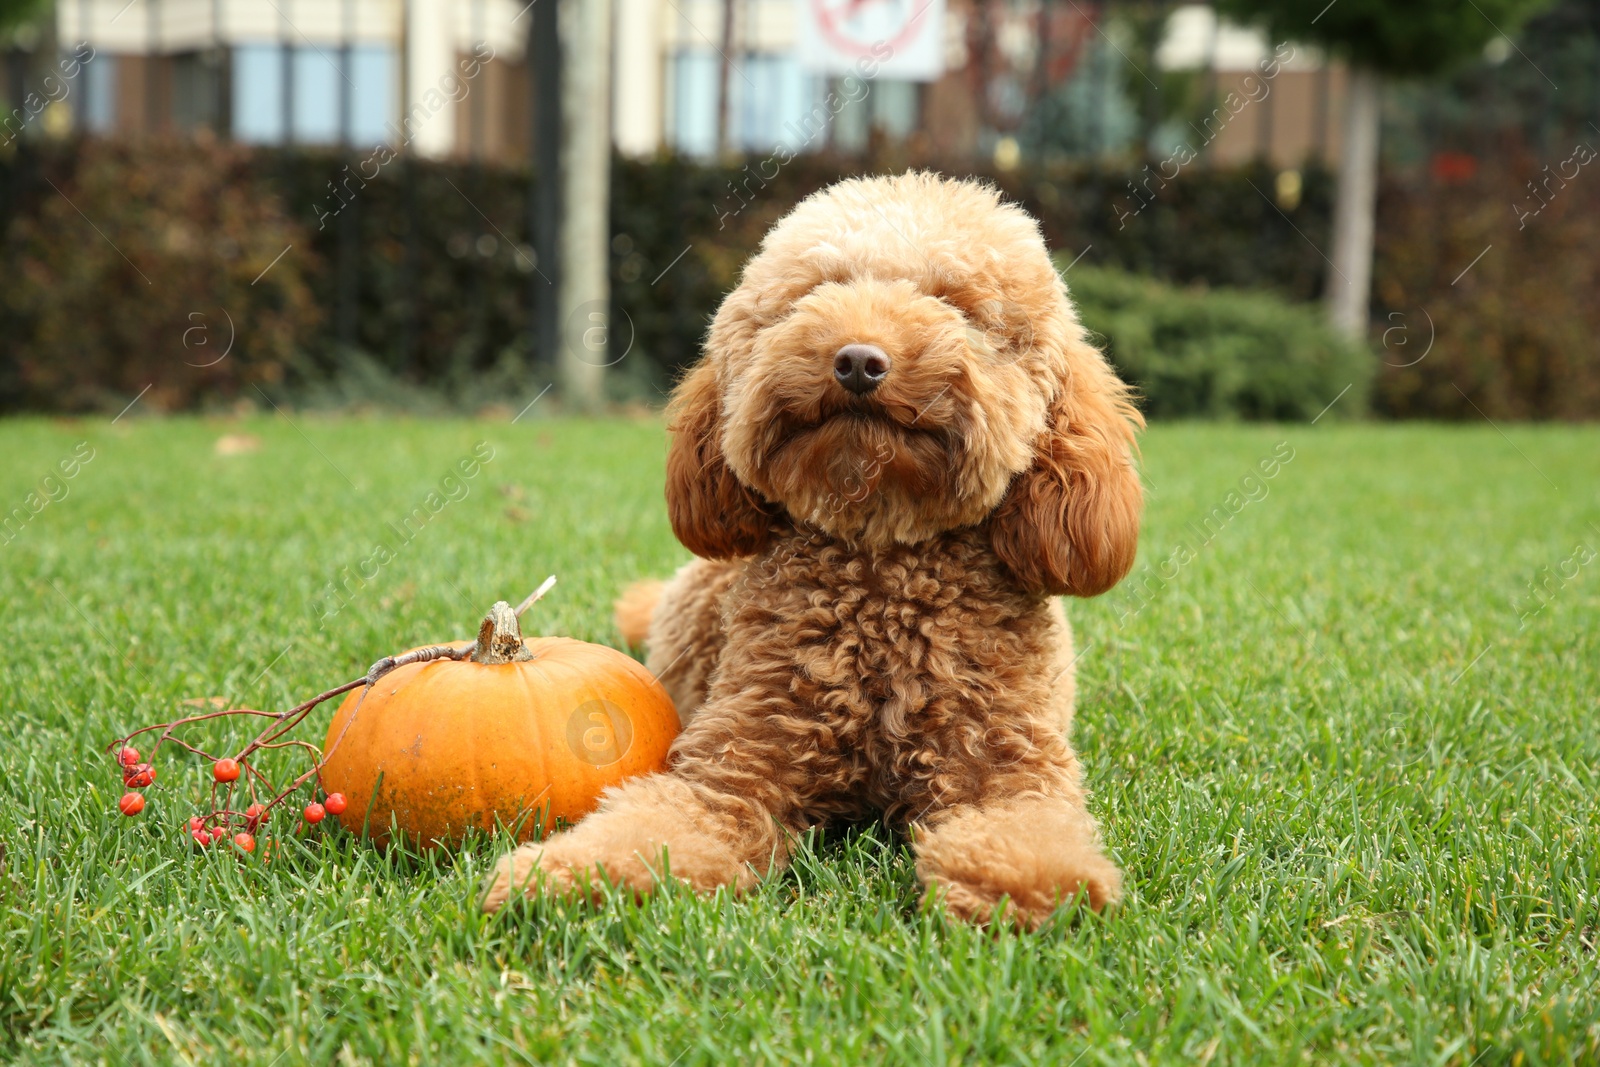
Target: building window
x,y
694,102
894,107
98,83
258,93
197,89
374,72
770,108
770,98
317,94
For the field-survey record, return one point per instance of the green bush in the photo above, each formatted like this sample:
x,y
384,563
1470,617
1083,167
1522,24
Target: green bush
x,y
1481,312
156,270
1220,353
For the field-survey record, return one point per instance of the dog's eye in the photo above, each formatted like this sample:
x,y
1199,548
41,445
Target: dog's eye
x,y
999,328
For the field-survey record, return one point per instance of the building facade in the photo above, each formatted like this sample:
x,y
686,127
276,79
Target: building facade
x,y
449,79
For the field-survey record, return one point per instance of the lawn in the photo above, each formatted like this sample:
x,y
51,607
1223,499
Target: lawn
x,y
1346,757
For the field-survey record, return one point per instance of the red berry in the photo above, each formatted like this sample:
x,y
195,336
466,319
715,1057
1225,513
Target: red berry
x,y
139,776
128,756
225,770
314,812
245,841
196,823
131,803
201,838
255,815
335,804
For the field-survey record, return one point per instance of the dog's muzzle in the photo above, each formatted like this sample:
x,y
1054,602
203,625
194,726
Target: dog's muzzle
x,y
860,368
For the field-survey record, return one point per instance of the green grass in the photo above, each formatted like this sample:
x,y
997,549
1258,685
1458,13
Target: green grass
x,y
1355,797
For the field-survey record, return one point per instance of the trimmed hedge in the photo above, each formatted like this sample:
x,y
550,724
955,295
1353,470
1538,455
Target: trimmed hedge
x,y
149,269
417,292
1486,294
1220,353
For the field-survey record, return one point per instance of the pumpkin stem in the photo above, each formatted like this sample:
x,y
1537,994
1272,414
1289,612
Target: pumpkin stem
x,y
500,638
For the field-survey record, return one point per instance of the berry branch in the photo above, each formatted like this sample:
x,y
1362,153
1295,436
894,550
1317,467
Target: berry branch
x,y
227,771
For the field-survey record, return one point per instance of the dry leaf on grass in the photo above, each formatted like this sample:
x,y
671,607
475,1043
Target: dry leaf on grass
x,y
237,444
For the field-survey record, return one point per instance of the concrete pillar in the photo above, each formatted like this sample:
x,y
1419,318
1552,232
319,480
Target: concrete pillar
x,y
428,116
637,109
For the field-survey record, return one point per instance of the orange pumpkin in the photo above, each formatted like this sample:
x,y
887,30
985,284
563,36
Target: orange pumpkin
x,y
519,733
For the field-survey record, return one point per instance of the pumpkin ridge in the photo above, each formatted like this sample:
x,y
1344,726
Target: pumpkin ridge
x,y
538,732
475,780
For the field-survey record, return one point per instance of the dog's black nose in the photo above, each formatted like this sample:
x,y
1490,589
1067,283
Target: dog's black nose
x,y
861,368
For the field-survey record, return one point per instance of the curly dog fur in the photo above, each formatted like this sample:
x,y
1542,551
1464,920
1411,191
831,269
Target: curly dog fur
x,y
872,627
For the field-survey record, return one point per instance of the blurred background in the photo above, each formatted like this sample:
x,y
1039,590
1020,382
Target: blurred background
x,y
457,205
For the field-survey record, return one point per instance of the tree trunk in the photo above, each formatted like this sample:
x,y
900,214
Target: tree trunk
x,y
586,221
1349,288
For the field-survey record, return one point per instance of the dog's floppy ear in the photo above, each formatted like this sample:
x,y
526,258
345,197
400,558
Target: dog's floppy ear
x,y
1070,523
713,513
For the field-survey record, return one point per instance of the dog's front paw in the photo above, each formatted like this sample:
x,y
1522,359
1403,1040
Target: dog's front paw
x,y
525,870
1032,854
649,830
581,861
983,898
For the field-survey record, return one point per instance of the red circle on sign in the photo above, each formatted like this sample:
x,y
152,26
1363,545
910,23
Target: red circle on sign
x,y
831,24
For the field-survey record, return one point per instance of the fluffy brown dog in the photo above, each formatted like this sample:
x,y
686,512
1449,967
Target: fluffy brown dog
x,y
897,451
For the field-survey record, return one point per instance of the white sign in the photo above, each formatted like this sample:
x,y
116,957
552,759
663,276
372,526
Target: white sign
x,y
873,38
